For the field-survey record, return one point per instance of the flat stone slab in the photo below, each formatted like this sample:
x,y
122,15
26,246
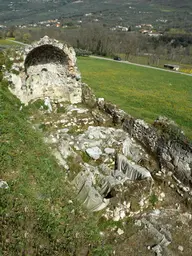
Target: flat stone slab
x,y
94,152
109,151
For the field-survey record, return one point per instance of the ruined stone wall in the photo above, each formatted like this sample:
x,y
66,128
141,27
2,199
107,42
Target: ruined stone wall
x,y
49,70
172,152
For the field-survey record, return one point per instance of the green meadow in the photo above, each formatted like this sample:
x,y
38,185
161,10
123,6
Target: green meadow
x,y
142,92
5,42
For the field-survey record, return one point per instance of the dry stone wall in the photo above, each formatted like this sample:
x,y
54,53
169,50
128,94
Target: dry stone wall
x,y
172,151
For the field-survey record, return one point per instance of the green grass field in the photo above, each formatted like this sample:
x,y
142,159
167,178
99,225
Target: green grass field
x,y
144,60
142,92
7,42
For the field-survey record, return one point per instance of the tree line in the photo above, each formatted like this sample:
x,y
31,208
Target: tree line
x,y
100,40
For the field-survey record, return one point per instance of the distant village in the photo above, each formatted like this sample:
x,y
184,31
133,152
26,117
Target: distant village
x,y
146,29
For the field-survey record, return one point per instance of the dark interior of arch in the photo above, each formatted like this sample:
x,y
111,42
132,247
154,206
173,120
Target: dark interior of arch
x,y
45,54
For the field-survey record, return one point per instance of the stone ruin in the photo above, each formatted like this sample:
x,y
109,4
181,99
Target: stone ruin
x,y
48,69
114,161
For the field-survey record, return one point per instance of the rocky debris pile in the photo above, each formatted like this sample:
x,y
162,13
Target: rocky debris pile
x,y
107,156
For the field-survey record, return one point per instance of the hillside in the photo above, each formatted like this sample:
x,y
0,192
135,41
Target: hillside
x,y
111,12
38,216
80,176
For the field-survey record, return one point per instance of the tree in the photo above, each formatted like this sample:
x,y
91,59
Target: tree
x,y
130,46
11,31
2,34
26,38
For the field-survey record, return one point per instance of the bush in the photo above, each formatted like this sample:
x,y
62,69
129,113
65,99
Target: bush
x,y
153,199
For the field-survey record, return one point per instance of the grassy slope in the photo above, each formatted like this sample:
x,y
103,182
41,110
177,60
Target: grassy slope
x,y
142,92
36,215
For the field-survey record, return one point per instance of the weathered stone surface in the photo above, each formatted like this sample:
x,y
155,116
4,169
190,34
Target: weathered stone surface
x,y
88,96
3,184
162,237
65,149
100,117
169,147
111,109
94,186
166,150
60,159
109,150
94,152
47,103
49,71
130,170
87,194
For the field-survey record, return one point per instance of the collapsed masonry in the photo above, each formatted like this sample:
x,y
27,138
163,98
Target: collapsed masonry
x,y
47,70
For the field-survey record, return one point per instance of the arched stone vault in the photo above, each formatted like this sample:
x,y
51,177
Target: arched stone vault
x,y
48,70
45,54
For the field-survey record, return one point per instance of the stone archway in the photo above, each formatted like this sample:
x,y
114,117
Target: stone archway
x,y
48,70
46,58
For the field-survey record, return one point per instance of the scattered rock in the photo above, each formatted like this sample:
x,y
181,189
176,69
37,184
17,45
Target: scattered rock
x,y
3,184
156,212
180,248
120,231
94,152
88,96
119,213
47,103
109,150
138,223
158,250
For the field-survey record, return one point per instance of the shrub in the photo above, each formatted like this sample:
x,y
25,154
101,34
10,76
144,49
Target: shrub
x,y
153,199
